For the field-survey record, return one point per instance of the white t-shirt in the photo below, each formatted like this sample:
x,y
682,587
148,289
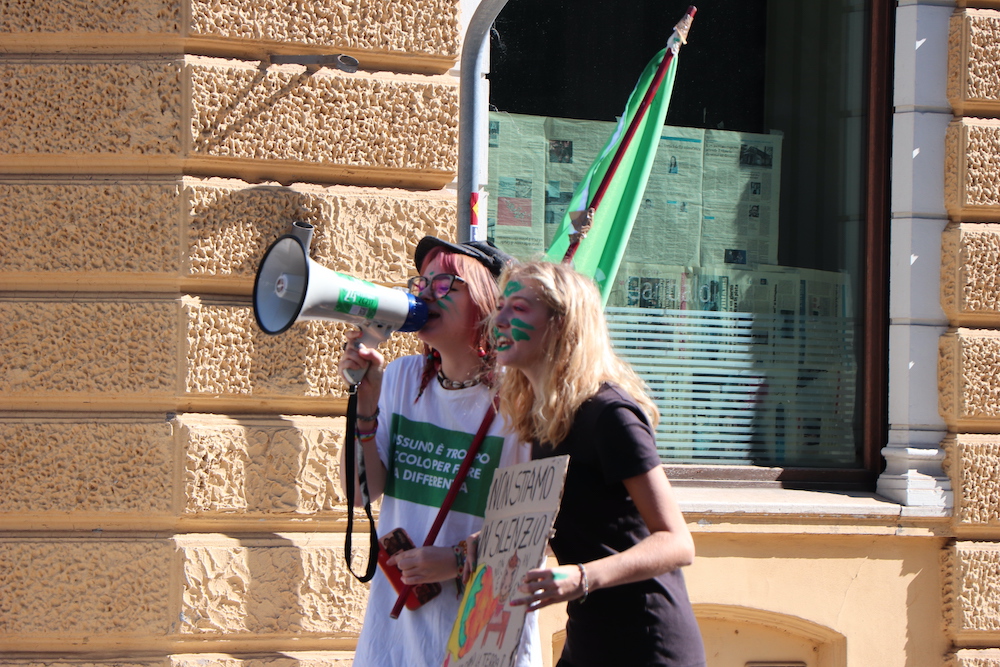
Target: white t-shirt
x,y
422,442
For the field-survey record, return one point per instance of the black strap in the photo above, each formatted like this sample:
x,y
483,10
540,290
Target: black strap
x,y
350,455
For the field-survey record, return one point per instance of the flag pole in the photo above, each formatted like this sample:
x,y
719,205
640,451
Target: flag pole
x,y
681,30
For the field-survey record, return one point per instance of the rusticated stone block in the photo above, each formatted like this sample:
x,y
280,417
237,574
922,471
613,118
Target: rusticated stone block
x,y
127,108
105,18
80,472
367,233
209,234
157,355
974,62
76,592
970,287
85,663
84,227
269,586
414,27
253,122
968,381
342,121
228,354
971,575
971,463
974,658
85,466
978,4
261,466
286,659
417,34
118,348
74,587
972,169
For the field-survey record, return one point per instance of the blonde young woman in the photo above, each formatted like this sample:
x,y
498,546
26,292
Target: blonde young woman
x,y
619,537
413,416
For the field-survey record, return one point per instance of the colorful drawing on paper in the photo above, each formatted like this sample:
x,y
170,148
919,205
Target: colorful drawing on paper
x,y
520,511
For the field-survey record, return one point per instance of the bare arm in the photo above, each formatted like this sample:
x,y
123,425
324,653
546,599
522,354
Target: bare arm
x,y
374,471
668,547
368,394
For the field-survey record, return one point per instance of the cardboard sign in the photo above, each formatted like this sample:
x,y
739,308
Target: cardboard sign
x,y
520,512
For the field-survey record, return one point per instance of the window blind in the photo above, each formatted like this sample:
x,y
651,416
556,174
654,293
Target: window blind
x,y
745,388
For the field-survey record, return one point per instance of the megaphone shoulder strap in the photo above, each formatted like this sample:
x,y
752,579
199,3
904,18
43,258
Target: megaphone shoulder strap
x,y
350,455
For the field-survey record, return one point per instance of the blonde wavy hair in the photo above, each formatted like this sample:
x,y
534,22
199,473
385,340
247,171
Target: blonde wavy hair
x,y
578,356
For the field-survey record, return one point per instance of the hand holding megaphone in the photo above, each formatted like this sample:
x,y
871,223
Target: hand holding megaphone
x,y
361,359
291,287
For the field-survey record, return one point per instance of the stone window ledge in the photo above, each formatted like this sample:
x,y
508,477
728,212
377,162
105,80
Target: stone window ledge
x,y
710,509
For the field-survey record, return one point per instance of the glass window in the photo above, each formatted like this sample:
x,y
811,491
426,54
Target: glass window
x,y
741,295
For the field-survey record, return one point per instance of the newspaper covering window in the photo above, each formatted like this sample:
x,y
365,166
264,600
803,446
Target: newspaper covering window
x,y
751,362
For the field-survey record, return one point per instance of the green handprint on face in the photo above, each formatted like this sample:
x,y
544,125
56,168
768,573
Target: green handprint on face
x,y
519,329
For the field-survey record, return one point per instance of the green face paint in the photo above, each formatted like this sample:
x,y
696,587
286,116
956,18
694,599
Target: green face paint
x,y
519,329
496,338
512,286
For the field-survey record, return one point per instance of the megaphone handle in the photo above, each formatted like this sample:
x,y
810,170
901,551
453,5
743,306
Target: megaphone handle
x,y
372,335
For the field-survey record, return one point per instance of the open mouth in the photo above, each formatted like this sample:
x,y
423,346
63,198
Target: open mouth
x,y
502,343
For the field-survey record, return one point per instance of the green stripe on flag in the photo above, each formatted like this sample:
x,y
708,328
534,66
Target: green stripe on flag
x,y
600,253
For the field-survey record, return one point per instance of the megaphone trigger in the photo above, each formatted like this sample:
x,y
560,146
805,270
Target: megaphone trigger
x,y
371,336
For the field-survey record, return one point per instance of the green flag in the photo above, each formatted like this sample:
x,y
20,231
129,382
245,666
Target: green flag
x,y
600,252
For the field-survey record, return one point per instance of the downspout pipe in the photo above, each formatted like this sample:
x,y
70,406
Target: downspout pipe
x,y
473,124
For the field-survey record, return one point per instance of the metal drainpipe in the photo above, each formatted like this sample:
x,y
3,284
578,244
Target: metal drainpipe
x,y
472,121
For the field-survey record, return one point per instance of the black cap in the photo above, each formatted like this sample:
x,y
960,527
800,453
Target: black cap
x,y
487,254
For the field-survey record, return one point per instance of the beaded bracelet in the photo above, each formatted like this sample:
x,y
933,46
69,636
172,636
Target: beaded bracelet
x,y
366,436
368,418
583,581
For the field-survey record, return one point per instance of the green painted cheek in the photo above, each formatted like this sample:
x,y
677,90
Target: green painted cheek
x,y
445,301
519,329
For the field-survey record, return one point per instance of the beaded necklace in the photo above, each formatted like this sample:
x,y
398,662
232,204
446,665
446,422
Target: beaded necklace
x,y
455,384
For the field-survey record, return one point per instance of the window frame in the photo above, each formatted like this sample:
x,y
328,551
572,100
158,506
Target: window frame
x,y
873,385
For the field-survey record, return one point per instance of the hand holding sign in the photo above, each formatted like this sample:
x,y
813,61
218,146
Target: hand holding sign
x,y
520,512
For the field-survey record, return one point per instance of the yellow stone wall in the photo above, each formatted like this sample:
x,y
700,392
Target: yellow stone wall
x,y
170,493
969,351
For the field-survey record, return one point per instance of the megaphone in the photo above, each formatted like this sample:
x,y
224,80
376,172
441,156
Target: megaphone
x,y
291,287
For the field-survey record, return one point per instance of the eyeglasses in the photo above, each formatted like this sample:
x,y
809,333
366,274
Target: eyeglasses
x,y
440,285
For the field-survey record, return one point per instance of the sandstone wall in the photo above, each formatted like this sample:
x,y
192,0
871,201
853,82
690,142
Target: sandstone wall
x,y
170,491
969,351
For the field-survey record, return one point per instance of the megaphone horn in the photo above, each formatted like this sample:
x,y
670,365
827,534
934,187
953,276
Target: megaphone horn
x,y
291,287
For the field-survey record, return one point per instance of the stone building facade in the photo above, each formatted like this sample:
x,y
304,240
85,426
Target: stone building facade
x,y
168,473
